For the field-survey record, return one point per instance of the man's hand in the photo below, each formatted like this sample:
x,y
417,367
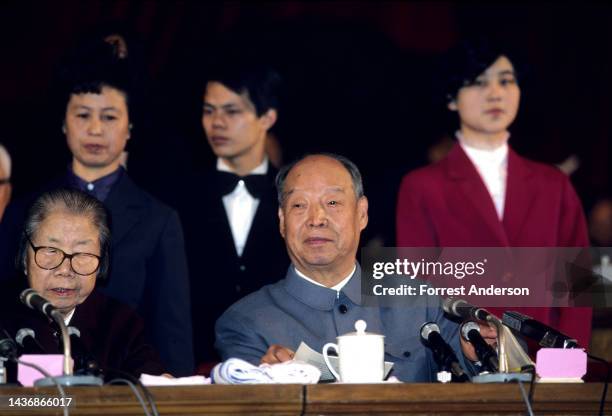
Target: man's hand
x,y
488,333
277,354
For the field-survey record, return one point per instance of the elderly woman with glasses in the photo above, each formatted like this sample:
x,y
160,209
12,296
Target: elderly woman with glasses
x,y
63,251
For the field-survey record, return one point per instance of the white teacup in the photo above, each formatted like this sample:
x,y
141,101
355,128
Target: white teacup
x,y
361,356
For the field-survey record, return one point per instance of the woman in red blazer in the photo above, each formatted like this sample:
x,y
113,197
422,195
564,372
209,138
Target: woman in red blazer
x,y
483,194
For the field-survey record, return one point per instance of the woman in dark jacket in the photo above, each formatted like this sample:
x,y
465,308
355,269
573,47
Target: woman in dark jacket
x,y
63,250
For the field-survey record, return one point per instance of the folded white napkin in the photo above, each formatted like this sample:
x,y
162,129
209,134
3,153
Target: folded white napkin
x,y
237,371
149,380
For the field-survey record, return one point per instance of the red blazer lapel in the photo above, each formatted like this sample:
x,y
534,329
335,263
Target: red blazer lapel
x,y
520,194
470,184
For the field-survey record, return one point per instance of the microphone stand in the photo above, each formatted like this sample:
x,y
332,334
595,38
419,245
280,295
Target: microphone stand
x,y
68,378
2,371
503,376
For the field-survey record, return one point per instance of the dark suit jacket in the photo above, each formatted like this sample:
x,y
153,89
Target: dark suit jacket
x,y
219,277
110,332
148,268
447,205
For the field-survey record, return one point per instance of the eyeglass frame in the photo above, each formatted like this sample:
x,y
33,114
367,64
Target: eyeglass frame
x,y
65,255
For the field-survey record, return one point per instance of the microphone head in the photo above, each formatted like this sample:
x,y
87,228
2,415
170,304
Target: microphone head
x,y
73,330
22,334
450,305
26,296
8,348
467,327
446,305
428,328
514,320
33,300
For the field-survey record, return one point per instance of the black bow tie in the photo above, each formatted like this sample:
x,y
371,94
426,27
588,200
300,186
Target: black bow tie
x,y
255,184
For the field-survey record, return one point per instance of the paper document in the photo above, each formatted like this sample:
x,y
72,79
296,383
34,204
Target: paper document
x,y
308,355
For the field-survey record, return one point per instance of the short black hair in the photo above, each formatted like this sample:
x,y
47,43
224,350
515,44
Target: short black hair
x,y
470,58
245,75
92,65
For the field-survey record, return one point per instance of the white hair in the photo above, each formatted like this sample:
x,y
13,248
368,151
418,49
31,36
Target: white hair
x,y
5,161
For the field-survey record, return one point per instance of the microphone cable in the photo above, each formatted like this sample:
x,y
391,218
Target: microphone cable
x,y
134,390
602,403
135,381
532,370
46,374
525,398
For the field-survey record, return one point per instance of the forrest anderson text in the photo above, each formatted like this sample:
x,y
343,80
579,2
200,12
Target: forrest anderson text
x,y
406,290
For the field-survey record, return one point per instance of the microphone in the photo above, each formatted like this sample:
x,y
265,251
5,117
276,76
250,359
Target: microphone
x,y
8,348
461,309
33,300
26,338
84,362
486,354
30,298
544,335
442,352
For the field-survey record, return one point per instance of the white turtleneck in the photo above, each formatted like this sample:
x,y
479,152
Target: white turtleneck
x,y
492,165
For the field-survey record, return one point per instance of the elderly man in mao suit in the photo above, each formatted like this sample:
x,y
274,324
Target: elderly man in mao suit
x,y
322,215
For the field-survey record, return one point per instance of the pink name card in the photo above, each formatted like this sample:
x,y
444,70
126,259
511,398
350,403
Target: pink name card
x,y
561,363
51,363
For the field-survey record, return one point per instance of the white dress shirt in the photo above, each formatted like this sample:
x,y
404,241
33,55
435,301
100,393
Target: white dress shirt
x,y
241,206
68,317
492,165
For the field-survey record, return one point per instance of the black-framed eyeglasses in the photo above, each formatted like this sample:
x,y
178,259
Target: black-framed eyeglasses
x,y
50,258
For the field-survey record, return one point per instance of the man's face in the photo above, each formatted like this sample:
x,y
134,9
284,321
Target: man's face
x,y
231,124
70,233
490,105
321,218
97,128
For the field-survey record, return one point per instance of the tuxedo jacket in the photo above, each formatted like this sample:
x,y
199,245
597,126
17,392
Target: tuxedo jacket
x,y
148,266
219,277
447,204
111,333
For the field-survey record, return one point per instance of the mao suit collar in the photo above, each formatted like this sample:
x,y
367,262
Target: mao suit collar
x,y
319,297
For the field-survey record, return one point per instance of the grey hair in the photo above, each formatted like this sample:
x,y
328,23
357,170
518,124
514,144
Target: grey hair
x,y
74,202
5,161
352,169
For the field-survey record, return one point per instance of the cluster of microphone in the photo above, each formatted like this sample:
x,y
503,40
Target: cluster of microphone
x,y
25,341
443,354
445,357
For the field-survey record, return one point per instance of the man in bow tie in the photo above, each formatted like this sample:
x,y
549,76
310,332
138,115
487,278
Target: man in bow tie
x,y
233,245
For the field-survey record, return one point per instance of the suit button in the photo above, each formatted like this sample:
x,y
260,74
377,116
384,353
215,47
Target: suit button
x,y
242,267
343,308
406,354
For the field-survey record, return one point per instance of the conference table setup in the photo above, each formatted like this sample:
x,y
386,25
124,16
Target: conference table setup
x,y
321,399
505,381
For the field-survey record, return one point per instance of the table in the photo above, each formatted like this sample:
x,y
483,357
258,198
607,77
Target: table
x,y
330,399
